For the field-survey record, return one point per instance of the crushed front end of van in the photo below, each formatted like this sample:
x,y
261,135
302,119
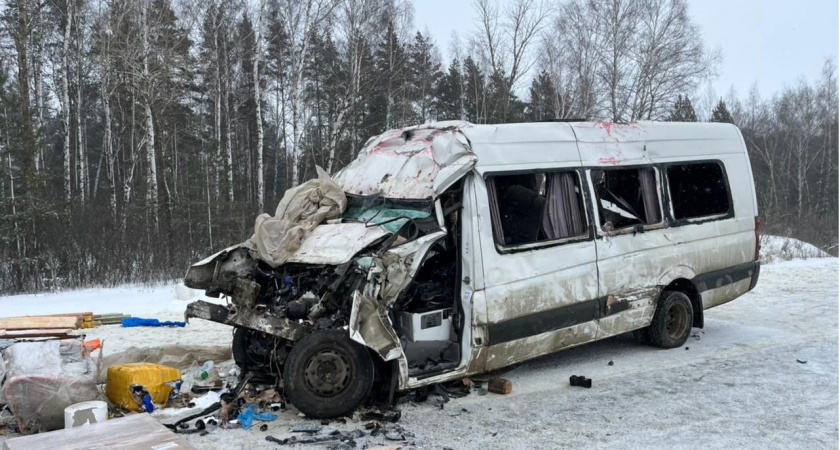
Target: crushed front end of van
x,y
331,289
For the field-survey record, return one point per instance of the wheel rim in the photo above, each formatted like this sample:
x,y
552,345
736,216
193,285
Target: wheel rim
x,y
327,373
676,326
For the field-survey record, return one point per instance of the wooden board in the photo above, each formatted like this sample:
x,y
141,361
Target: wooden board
x,y
33,333
26,323
134,432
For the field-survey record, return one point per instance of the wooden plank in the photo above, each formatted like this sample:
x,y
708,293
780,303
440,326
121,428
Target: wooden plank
x,y
500,386
33,333
133,432
86,316
25,323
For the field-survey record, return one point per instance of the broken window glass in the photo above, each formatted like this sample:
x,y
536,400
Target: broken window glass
x,y
697,190
536,207
627,197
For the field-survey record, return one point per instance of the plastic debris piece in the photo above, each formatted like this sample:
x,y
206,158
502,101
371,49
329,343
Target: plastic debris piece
x,y
140,322
250,414
581,381
306,427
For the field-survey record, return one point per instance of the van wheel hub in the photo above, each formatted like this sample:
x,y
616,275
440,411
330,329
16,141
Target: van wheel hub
x,y
327,373
677,321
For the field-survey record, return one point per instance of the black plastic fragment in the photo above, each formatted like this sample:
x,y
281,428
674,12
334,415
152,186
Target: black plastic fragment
x,y
581,381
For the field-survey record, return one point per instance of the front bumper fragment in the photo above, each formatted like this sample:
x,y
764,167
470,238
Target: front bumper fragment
x,y
247,318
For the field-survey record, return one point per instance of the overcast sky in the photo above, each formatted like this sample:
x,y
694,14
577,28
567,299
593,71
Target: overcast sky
x,y
771,42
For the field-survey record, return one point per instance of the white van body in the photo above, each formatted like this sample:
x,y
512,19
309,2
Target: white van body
x,y
713,259
558,233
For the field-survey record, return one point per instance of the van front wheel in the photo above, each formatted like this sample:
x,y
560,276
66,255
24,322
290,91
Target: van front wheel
x,y
672,320
327,374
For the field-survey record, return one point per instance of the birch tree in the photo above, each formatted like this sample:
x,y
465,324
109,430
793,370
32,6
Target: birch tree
x,y
258,102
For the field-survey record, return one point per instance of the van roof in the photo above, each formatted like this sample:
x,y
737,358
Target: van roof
x,y
419,161
598,143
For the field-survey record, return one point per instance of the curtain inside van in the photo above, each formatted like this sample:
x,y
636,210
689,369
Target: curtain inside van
x,y
495,216
562,216
647,181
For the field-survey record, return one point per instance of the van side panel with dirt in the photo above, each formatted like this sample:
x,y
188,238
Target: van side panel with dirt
x,y
663,207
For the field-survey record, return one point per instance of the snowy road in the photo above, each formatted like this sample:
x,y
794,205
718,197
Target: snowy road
x,y
738,385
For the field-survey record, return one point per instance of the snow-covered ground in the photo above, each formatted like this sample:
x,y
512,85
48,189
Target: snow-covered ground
x,y
779,248
737,384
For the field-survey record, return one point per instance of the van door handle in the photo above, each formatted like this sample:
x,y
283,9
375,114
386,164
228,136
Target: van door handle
x,y
466,280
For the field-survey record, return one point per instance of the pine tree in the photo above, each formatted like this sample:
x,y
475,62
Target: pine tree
x,y
425,73
390,65
543,97
449,93
721,113
683,111
474,92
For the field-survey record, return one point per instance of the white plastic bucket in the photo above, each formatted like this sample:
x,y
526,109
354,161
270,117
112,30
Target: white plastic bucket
x,y
84,413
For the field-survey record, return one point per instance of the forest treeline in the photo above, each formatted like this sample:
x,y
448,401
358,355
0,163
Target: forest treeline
x,y
137,136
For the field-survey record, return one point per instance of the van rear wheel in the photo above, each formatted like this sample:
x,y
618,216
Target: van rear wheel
x,y
672,320
327,374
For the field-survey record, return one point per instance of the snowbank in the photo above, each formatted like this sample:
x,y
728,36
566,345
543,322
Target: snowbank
x,y
780,248
137,300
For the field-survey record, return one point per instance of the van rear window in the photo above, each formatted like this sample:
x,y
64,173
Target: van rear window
x,y
697,190
536,207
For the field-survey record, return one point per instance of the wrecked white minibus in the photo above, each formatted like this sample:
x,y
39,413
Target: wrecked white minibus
x,y
451,249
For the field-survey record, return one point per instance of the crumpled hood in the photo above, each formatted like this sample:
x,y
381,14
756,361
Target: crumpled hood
x,y
336,243
331,244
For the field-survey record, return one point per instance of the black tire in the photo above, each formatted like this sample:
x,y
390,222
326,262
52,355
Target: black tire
x,y
327,374
672,320
252,350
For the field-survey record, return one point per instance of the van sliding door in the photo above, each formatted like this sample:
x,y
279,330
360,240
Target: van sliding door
x,y
631,245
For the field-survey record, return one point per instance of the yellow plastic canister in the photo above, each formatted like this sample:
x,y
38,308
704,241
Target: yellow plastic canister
x,y
151,376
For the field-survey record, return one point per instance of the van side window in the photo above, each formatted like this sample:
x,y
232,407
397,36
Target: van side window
x,y
535,207
697,190
627,197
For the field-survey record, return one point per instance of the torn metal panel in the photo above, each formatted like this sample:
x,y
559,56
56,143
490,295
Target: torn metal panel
x,y
410,163
371,327
200,275
336,243
628,311
247,318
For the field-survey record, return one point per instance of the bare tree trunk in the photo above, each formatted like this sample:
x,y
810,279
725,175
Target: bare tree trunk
x,y
217,157
38,66
151,173
257,100
129,177
228,141
109,144
65,99
80,148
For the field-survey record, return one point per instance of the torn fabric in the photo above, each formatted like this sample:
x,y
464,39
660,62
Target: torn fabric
x,y
302,208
